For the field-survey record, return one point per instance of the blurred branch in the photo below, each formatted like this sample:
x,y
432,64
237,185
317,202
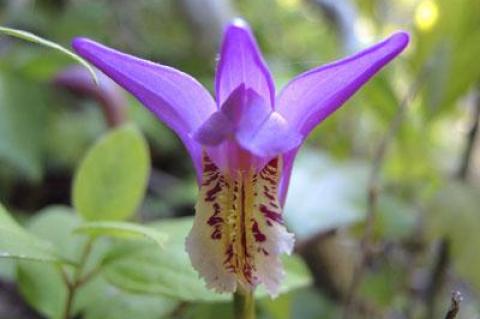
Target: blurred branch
x,y
454,305
107,93
324,258
207,19
342,15
438,276
373,190
77,280
470,143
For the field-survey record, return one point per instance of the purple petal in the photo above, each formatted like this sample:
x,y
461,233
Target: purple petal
x,y
240,63
215,130
312,96
174,97
263,132
271,137
288,159
236,104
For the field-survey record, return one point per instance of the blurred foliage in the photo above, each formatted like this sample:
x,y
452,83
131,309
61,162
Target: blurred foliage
x,y
45,132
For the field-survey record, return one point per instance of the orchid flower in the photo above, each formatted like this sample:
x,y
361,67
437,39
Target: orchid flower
x,y
242,144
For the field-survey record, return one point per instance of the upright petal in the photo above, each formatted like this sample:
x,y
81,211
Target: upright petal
x,y
312,96
174,97
241,62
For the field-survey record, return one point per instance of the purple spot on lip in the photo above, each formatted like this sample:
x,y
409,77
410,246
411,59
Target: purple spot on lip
x,y
211,194
270,214
259,236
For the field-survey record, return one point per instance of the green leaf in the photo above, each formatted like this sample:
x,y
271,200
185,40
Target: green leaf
x,y
42,285
16,242
24,35
169,272
322,196
23,114
111,180
122,230
101,300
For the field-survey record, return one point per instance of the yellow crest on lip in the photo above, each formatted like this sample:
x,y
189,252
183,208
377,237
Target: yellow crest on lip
x,y
238,233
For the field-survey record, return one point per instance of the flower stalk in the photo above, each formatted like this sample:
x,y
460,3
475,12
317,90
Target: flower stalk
x,y
244,304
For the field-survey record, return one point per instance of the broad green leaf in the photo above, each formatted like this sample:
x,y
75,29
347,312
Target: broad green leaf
x,y
322,195
16,242
122,230
24,35
169,272
111,180
42,285
101,301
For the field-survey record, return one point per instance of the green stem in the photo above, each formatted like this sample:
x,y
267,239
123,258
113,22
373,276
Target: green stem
x,y
243,304
77,280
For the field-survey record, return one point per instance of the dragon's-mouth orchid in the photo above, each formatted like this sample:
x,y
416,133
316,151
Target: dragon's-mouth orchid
x,y
243,144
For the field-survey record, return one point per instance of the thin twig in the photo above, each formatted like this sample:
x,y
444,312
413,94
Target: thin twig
x,y
87,277
467,156
74,283
438,276
454,305
373,193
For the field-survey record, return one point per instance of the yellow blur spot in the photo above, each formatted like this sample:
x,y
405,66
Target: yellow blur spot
x,y
426,15
288,3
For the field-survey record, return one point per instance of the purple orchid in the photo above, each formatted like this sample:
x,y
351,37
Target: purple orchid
x,y
243,144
